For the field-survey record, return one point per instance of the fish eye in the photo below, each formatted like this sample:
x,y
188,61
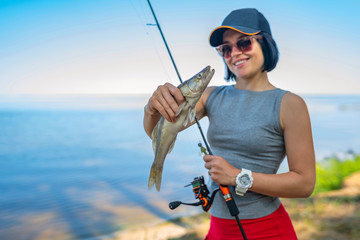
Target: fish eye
x,y
199,76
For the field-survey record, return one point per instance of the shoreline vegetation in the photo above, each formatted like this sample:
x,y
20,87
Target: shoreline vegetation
x,y
332,212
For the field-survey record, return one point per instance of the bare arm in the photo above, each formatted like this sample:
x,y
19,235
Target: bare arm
x,y
300,180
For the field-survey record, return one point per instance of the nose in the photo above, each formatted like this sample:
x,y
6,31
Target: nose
x,y
235,50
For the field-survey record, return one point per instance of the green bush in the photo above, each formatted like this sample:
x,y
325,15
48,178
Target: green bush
x,y
331,172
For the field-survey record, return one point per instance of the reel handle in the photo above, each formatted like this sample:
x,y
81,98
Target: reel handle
x,y
175,204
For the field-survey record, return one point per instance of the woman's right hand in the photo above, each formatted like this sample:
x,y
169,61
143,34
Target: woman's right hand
x,y
165,101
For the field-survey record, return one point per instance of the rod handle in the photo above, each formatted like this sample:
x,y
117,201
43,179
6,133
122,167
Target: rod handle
x,y
229,200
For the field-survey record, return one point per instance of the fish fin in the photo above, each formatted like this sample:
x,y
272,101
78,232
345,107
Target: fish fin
x,y
192,115
154,136
158,181
155,177
185,123
152,177
181,106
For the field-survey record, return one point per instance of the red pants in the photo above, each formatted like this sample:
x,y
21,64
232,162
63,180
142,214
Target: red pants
x,y
276,226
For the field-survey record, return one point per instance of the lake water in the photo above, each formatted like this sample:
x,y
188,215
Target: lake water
x,y
77,168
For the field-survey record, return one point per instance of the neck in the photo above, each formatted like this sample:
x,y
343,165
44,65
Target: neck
x,y
258,82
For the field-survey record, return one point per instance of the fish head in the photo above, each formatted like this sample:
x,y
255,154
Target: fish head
x,y
195,86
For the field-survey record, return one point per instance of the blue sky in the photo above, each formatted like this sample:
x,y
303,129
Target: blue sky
x,y
105,47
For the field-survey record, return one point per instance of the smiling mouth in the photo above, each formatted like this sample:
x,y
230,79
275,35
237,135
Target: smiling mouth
x,y
240,62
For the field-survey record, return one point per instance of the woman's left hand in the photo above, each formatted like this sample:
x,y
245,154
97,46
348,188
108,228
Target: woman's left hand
x,y
220,170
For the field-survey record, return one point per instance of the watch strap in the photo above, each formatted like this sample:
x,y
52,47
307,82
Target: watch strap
x,y
240,189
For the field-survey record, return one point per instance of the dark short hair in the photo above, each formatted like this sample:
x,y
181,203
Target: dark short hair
x,y
270,52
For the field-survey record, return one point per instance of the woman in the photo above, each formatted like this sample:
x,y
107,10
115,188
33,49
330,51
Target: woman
x,y
253,125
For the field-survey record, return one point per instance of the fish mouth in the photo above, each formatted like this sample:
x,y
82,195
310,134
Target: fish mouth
x,y
208,73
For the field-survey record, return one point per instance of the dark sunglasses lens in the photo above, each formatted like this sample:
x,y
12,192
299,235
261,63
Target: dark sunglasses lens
x,y
244,45
226,51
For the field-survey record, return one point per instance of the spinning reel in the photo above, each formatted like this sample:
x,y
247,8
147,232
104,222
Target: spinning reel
x,y
201,192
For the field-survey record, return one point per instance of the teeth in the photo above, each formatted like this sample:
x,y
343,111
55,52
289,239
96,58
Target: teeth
x,y
240,62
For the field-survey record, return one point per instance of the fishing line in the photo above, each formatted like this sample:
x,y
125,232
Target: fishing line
x,y
150,36
229,200
166,45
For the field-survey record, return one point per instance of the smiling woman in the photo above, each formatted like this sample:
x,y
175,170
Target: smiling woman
x,y
252,127
71,171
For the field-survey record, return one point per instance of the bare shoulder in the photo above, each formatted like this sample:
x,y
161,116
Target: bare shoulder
x,y
207,92
292,109
292,100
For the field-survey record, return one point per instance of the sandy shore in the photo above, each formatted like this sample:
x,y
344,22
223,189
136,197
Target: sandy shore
x,y
190,227
332,215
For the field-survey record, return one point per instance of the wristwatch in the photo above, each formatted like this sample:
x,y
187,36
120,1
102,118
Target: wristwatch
x,y
244,181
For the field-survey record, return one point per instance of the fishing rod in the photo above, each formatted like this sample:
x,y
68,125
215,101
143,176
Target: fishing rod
x,y
199,187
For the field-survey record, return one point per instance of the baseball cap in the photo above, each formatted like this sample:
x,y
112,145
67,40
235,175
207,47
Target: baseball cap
x,y
248,21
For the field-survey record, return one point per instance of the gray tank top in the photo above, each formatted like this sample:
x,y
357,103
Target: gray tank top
x,y
244,128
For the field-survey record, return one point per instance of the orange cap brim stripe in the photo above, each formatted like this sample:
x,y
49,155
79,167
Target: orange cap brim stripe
x,y
228,27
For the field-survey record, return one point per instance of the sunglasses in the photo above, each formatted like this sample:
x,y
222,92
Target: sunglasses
x,y
244,44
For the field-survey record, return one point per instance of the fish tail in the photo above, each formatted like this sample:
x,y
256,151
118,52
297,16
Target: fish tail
x,y
155,177
158,181
152,177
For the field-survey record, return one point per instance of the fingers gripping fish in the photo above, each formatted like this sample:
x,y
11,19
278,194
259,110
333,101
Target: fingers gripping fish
x,y
165,132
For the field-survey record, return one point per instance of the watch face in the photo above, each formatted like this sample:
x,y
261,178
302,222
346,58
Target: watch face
x,y
244,180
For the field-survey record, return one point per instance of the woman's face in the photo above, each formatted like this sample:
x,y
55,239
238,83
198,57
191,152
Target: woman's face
x,y
243,64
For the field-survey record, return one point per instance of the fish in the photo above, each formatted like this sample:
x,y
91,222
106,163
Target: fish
x,y
165,132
